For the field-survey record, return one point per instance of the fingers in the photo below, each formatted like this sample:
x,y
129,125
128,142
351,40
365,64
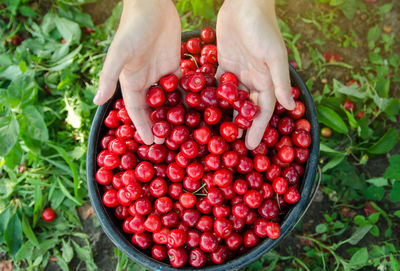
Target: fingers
x,y
279,70
254,134
137,109
109,75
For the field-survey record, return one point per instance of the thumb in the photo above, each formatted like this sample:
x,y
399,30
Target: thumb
x,y
109,75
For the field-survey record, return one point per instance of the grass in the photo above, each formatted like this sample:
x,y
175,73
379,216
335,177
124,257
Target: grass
x,y
46,90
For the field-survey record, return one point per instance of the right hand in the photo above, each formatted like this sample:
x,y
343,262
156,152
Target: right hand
x,y
146,47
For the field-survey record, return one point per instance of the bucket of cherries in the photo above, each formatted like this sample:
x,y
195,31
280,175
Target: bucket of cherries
x,y
201,199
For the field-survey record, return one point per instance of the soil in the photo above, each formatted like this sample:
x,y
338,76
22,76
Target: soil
x,y
101,10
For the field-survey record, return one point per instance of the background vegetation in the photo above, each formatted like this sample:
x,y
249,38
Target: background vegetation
x,y
51,53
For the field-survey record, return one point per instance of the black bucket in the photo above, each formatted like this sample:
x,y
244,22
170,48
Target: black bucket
x,y
112,227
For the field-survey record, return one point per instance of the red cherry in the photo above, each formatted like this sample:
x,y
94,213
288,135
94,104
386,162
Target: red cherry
x,y
303,124
175,173
197,258
228,92
110,198
155,97
228,77
208,242
194,45
222,227
208,35
197,82
230,159
178,257
292,195
188,200
286,154
169,82
212,115
268,209
163,205
222,177
48,214
202,135
229,131
176,238
144,171
273,230
301,138
159,252
152,223
298,111
161,129
249,110
217,145
176,115
253,199
104,176
242,122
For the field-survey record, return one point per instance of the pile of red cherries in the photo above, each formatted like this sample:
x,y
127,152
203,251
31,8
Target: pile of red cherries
x,y
201,197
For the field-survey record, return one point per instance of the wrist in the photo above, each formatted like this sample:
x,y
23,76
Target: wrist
x,y
266,6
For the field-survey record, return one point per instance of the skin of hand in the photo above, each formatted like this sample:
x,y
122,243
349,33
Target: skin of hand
x,y
146,47
251,46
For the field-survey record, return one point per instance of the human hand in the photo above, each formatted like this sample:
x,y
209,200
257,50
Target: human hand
x,y
146,46
250,45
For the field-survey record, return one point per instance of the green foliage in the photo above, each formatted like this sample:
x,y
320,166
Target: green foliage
x,y
46,89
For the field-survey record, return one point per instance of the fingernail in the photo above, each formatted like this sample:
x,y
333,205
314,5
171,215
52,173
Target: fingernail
x,y
96,97
292,103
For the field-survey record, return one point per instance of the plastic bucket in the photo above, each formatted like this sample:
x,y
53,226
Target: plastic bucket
x,y
112,227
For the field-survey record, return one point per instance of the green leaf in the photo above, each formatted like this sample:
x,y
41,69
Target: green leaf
x,y
385,8
12,6
358,235
373,218
27,11
67,251
392,109
38,199
73,168
393,170
21,91
25,252
360,258
333,162
373,35
397,213
330,118
349,8
363,129
379,181
350,117
325,148
4,218
359,220
386,143
26,228
85,254
352,90
13,158
33,125
374,193
374,231
9,131
68,29
395,194
13,235
321,228
203,8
